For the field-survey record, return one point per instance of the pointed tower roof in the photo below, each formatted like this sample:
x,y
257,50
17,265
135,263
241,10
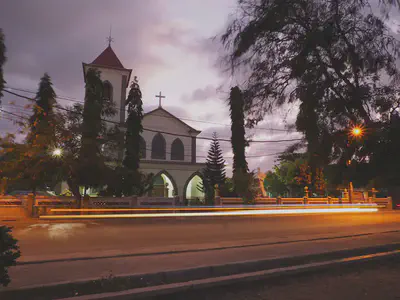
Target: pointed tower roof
x,y
108,58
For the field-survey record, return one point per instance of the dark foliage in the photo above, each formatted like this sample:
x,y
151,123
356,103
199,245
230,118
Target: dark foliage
x,y
9,253
336,58
134,127
92,159
238,141
132,183
2,62
214,173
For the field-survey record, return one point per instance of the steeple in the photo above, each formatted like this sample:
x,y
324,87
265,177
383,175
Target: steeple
x,y
108,58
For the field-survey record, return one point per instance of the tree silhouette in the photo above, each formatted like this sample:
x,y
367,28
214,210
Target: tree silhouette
x,y
132,138
241,177
2,61
92,159
214,173
337,59
9,252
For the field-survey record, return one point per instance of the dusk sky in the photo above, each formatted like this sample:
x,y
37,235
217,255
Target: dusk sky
x,y
168,44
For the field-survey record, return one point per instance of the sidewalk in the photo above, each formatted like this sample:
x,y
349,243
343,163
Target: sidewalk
x,y
67,271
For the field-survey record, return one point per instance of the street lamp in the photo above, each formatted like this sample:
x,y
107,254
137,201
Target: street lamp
x,y
57,152
357,131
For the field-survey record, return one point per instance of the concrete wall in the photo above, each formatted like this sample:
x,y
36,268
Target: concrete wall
x,y
160,121
11,211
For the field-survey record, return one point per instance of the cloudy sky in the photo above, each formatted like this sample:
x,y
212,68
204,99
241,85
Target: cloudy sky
x,y
168,44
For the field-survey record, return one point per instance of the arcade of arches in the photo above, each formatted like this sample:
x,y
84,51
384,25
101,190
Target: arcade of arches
x,y
164,185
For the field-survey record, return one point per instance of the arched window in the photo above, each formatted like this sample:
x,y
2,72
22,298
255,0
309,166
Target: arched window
x,y
142,147
158,147
177,150
107,90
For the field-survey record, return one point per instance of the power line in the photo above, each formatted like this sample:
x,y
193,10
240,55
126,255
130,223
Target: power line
x,y
229,157
168,117
148,149
164,132
13,114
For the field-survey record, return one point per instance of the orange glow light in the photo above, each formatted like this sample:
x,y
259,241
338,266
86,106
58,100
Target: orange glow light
x,y
357,131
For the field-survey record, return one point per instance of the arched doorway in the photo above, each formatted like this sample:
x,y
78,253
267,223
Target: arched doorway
x,y
164,185
191,191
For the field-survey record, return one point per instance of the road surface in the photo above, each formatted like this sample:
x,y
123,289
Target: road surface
x,y
369,281
142,246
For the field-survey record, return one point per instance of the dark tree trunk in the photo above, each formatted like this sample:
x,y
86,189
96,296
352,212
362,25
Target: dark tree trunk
x,y
75,190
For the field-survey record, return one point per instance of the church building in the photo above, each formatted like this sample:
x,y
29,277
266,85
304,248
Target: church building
x,y
168,145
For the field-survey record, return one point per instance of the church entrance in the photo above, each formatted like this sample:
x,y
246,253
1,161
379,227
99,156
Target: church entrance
x,y
192,190
162,186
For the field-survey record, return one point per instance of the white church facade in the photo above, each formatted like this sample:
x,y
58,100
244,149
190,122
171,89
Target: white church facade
x,y
168,145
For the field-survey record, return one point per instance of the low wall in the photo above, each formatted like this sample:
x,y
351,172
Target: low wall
x,y
221,201
11,207
11,212
130,202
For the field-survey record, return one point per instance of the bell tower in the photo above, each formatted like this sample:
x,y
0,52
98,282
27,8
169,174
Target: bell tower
x,y
115,78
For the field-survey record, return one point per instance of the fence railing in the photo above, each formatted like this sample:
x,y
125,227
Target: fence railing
x,y
387,202
43,204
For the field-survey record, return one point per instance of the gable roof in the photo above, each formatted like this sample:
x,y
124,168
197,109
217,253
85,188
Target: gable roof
x,y
191,129
108,58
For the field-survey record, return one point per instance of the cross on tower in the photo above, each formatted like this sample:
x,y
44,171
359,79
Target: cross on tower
x,y
109,38
159,99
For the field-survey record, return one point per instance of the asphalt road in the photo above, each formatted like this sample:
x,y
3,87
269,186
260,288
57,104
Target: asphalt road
x,y
185,243
369,281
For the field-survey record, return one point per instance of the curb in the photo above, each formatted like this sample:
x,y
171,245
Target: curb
x,y
179,280
199,249
168,289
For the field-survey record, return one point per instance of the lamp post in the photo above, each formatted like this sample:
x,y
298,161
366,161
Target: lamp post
x,y
356,132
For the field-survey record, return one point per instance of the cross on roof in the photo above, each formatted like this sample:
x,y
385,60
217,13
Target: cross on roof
x,y
159,99
109,38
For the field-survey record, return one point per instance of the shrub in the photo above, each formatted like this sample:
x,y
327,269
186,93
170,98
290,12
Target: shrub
x,y
9,252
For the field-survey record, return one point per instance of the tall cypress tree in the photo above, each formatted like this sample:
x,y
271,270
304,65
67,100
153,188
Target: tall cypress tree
x,y
241,177
238,141
91,160
134,128
2,61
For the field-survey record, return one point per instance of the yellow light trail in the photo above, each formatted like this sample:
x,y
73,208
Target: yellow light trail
x,y
218,213
214,208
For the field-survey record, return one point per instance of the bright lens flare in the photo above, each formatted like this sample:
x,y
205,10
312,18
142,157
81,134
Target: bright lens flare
x,y
57,152
357,131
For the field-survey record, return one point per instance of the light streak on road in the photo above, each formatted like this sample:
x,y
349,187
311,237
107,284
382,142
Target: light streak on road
x,y
217,213
216,208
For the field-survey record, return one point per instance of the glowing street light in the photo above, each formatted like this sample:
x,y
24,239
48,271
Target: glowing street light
x,y
57,152
356,131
